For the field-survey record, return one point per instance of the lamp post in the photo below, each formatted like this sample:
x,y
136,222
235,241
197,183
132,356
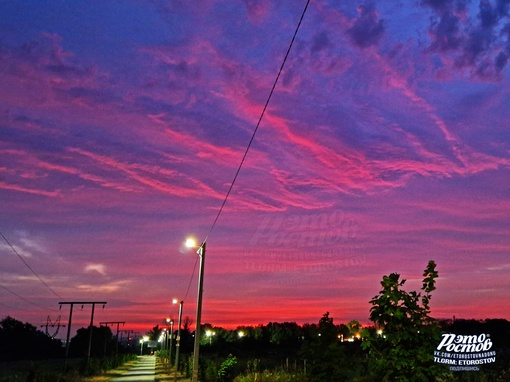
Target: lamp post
x,y
142,340
169,340
196,347
209,334
178,339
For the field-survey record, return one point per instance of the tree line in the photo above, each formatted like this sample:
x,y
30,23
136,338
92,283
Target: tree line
x,y
398,346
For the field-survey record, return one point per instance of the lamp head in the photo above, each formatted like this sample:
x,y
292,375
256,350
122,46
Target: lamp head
x,y
190,243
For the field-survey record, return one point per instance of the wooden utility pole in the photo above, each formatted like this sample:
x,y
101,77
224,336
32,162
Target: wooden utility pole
x,y
72,303
117,334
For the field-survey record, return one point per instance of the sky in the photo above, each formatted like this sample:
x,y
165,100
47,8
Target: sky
x,y
385,144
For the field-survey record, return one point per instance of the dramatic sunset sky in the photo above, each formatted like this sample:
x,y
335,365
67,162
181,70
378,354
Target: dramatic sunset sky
x,y
386,144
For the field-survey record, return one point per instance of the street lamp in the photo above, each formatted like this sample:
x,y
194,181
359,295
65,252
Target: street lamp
x,y
201,252
169,341
162,339
209,334
178,339
142,340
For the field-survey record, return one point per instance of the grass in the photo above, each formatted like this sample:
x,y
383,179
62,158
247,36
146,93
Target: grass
x,y
53,371
40,371
106,376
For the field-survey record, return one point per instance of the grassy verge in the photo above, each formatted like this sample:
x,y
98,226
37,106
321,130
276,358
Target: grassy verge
x,y
112,373
98,370
40,371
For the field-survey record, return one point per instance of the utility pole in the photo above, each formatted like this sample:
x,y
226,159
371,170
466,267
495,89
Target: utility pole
x,y
178,341
72,303
117,335
196,347
128,332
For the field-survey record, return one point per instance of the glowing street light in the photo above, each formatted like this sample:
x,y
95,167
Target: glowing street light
x,y
169,338
190,243
209,334
178,339
142,340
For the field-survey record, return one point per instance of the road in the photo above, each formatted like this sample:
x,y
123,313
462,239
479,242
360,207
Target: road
x,y
143,370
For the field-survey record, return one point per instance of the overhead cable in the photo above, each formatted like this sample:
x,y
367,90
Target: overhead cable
x,y
253,135
23,298
259,121
29,267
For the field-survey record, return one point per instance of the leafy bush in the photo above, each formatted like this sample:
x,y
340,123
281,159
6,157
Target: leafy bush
x,y
405,352
40,371
271,376
227,369
97,366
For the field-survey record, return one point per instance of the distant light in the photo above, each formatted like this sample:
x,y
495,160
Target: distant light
x,y
240,334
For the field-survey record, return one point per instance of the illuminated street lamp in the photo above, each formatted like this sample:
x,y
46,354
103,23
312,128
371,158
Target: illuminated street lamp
x,y
196,349
162,339
169,340
142,340
209,334
178,339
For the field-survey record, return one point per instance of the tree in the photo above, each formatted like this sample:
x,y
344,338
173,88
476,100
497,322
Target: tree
x,y
404,350
326,359
102,342
155,333
20,340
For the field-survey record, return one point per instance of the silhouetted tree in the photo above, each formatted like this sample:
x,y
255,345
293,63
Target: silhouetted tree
x,y
405,350
155,333
79,344
20,340
326,357
187,341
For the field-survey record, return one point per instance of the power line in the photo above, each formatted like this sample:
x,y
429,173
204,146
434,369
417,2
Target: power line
x,y
23,298
29,267
259,121
252,137
191,278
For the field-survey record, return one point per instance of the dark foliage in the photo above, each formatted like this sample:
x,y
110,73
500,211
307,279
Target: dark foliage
x,y
405,351
22,341
102,343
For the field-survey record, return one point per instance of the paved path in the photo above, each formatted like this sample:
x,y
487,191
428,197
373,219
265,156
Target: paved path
x,y
143,370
